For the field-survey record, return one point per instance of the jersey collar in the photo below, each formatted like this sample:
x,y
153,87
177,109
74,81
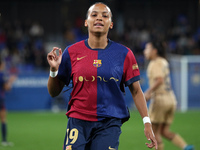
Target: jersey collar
x,y
109,43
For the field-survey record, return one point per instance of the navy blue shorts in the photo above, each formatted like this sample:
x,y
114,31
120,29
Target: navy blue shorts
x,y
87,135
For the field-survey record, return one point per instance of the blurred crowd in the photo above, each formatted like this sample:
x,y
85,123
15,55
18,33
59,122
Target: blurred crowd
x,y
178,35
22,44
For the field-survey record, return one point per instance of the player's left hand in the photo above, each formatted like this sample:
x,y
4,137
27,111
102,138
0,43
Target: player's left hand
x,y
150,136
147,95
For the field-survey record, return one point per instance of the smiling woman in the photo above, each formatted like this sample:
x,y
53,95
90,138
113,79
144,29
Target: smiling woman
x,y
99,69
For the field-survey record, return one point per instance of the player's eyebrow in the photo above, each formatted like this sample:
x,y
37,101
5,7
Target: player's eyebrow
x,y
100,12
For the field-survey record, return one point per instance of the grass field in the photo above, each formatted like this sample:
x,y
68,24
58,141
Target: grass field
x,y
46,131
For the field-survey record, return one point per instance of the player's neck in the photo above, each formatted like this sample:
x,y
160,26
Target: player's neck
x,y
98,42
154,57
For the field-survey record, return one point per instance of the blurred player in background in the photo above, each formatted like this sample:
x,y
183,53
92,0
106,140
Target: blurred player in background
x,y
99,69
5,85
163,104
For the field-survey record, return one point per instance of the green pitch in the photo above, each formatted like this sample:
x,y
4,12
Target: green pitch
x,y
46,131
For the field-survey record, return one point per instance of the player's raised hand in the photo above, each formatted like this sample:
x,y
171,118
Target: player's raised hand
x,y
53,59
150,136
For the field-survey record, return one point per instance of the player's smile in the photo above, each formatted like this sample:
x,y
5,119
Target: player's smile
x,y
98,24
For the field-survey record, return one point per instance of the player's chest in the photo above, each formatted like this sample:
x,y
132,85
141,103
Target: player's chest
x,y
96,63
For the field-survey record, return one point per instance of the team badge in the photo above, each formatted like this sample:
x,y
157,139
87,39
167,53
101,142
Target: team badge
x,y
69,147
97,63
135,66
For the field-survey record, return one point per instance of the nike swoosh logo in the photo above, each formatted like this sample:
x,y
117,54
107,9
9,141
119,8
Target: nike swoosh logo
x,y
79,58
111,148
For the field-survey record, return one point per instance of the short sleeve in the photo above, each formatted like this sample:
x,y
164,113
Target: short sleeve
x,y
131,71
64,71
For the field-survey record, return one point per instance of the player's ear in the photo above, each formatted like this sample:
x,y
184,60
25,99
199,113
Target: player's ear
x,y
111,25
86,24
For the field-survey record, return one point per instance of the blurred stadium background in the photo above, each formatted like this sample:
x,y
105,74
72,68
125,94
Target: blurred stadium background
x,y
29,30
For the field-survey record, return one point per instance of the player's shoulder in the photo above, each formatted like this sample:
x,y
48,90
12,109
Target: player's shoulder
x,y
73,48
120,46
76,45
161,60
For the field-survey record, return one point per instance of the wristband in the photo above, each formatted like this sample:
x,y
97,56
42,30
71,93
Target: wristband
x,y
53,74
146,120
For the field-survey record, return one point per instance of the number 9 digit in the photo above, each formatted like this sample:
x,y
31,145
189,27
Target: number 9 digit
x,y
73,135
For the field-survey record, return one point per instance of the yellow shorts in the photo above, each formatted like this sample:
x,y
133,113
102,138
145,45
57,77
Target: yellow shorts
x,y
162,108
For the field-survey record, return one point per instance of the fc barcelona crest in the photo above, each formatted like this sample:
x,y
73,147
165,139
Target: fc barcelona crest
x,y
97,63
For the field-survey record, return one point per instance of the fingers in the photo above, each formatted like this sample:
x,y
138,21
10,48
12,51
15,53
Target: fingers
x,y
150,145
148,131
60,52
54,58
53,55
56,52
55,48
147,136
150,137
153,142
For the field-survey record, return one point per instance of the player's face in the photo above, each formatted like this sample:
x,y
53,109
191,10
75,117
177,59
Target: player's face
x,y
99,19
149,51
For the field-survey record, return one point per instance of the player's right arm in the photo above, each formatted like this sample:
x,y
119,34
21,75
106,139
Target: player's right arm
x,y
54,85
